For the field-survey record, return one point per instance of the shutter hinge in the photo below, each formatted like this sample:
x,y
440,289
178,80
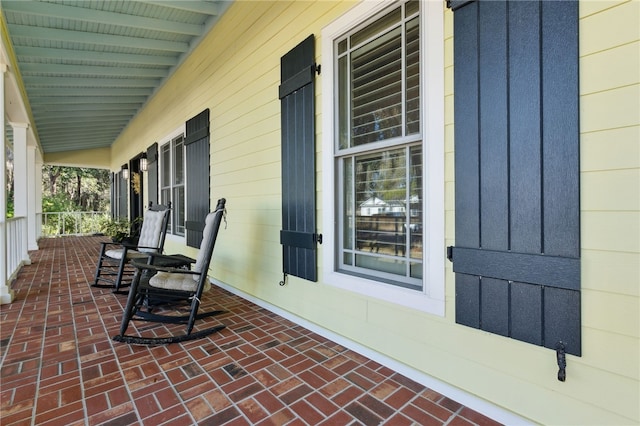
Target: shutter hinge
x,y
317,238
318,68
562,361
450,253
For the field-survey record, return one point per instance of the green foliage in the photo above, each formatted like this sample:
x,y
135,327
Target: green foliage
x,y
75,189
117,228
58,203
70,222
10,206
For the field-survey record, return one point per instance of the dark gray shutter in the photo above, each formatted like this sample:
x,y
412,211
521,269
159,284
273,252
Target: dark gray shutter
x,y
297,92
517,253
152,174
197,151
123,201
114,195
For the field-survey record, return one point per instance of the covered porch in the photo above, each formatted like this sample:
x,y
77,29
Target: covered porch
x,y
60,367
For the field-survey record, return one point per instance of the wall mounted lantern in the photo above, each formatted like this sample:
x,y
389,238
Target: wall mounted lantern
x,y
143,162
125,171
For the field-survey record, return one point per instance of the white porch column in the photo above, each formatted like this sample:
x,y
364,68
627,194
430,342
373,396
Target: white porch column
x,y
32,184
21,180
38,195
6,294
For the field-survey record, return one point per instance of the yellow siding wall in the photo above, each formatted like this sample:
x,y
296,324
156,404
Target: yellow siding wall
x,y
96,158
235,72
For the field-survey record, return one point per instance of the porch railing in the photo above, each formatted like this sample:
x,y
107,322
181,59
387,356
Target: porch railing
x,y
56,224
16,232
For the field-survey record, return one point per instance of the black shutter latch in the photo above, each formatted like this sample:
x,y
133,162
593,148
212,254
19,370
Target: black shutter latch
x,y
450,253
562,361
317,238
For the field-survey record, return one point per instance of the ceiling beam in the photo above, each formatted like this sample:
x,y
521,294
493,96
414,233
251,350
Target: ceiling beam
x,y
204,7
30,81
88,38
38,92
90,70
84,15
66,100
24,52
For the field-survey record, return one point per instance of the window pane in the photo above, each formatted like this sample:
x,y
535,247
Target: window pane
x,y
165,199
342,46
348,204
376,79
178,158
166,165
415,203
376,27
413,77
411,7
380,182
178,209
343,104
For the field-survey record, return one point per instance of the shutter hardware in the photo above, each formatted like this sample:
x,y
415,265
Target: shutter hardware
x,y
562,361
450,253
317,238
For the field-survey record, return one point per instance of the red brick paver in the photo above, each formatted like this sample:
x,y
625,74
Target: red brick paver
x,y
59,365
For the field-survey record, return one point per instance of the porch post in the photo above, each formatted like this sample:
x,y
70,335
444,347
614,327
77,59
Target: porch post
x,y
6,294
32,184
21,181
38,198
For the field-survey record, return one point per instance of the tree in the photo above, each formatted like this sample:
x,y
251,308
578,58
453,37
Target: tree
x,y
75,189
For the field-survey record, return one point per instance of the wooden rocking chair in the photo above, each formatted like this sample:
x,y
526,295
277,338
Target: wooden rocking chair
x,y
155,286
113,263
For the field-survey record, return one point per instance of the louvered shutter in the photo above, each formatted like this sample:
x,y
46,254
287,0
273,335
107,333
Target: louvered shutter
x,y
298,235
197,155
517,252
152,174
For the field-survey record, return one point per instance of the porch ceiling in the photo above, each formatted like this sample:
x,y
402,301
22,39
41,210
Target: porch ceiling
x,y
88,67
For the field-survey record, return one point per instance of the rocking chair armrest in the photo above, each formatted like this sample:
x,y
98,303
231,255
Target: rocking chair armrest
x,y
130,245
141,265
144,247
170,258
110,243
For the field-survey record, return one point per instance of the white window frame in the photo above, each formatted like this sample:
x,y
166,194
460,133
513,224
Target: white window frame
x,y
432,297
164,141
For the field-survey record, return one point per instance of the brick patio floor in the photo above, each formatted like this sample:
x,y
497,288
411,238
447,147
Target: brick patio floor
x,y
60,367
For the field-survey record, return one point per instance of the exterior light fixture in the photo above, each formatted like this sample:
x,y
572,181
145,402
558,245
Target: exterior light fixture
x,y
143,162
125,171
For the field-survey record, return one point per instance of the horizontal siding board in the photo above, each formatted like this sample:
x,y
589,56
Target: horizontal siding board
x,y
616,108
615,26
600,197
613,272
615,67
615,231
